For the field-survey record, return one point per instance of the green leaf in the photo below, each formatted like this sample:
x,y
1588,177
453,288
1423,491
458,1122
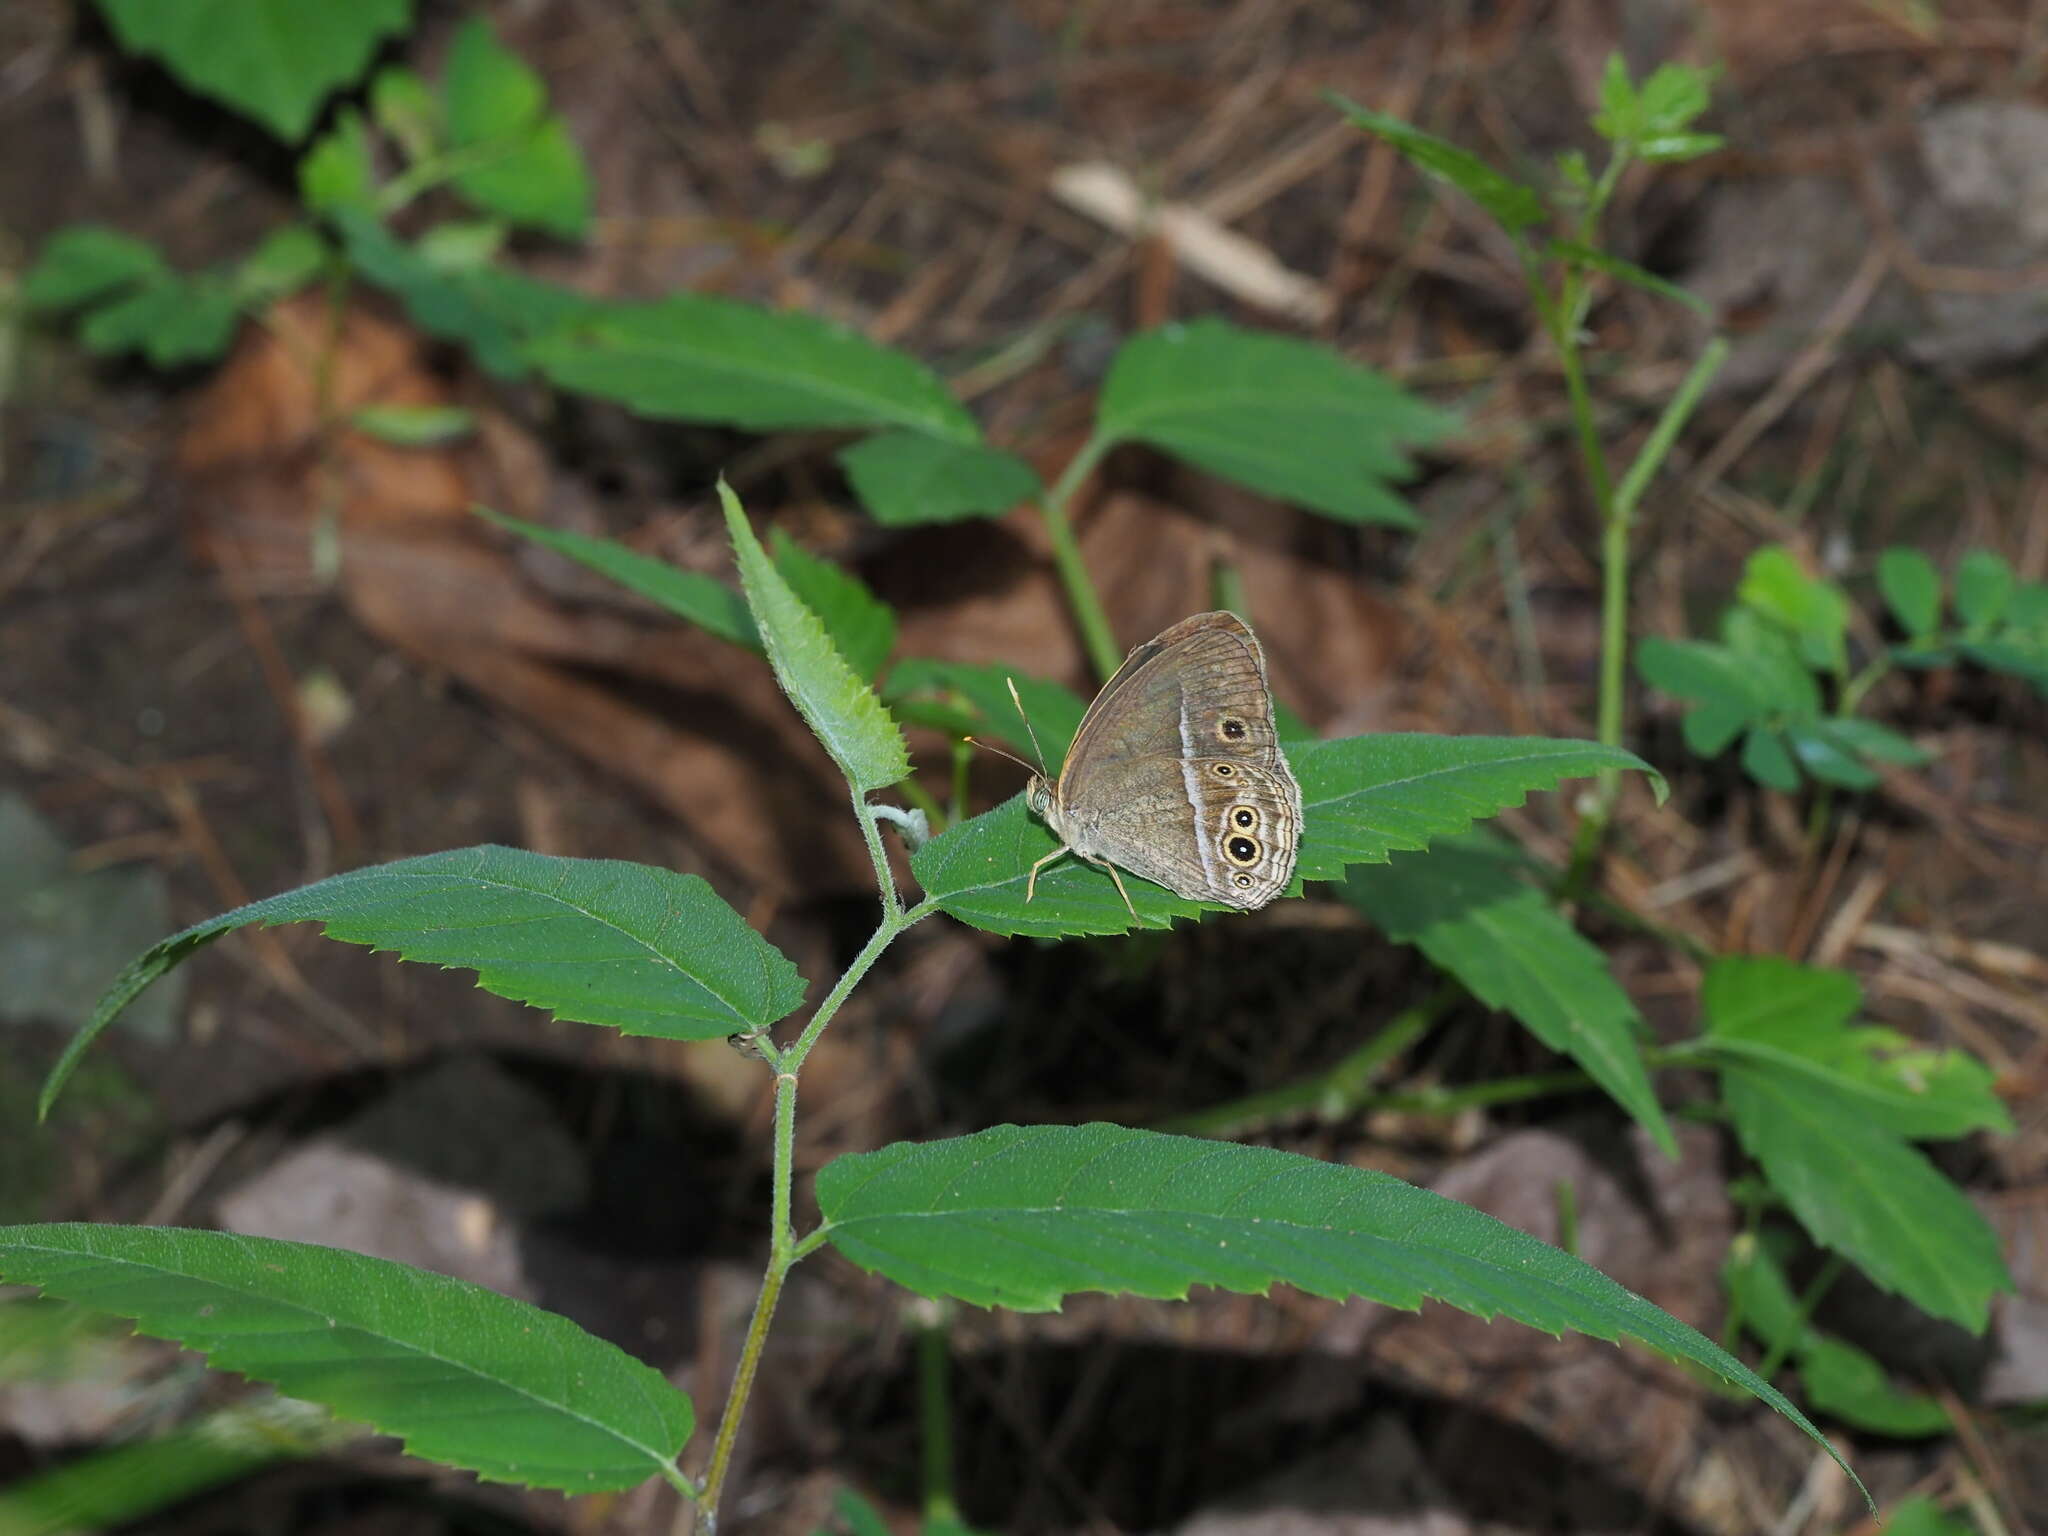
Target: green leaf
x,y
404,106
1628,272
1512,205
1860,1189
1709,673
338,171
1827,758
1794,1018
920,691
1839,1378
1709,728
1620,118
413,426
1364,797
492,311
1673,97
977,869
1773,656
1867,738
1765,760
1022,1217
462,1375
1813,610
1466,906
180,320
694,357
521,163
1283,417
489,90
1911,588
1983,587
1921,1516
595,941
273,60
111,1487
82,262
861,625
289,258
908,478
1669,148
698,599
2029,607
841,710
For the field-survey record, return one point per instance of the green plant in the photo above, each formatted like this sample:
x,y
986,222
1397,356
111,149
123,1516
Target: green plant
x,y
1650,122
1780,676
1016,1216
486,1383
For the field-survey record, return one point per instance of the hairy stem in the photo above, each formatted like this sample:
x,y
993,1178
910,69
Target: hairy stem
x,y
783,1248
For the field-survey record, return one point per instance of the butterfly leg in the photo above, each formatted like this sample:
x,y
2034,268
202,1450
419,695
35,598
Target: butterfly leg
x,y
1031,883
1119,879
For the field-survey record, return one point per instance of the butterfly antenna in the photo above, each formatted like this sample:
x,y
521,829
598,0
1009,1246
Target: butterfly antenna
x,y
1036,749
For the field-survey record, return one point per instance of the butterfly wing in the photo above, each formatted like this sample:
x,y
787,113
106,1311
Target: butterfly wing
x,y
1176,773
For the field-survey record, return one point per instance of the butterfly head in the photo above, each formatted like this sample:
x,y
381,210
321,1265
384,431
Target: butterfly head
x,y
1038,795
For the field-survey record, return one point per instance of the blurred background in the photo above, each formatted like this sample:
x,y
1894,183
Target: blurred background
x,y
239,653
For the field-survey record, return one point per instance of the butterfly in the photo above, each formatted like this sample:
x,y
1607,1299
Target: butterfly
x,y
1176,772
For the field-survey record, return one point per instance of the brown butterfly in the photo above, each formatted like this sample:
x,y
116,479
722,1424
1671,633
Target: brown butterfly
x,y
1176,773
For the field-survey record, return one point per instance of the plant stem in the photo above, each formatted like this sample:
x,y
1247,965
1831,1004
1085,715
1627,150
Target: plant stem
x,y
783,1248
1618,515
1096,635
1331,1092
885,878
935,1415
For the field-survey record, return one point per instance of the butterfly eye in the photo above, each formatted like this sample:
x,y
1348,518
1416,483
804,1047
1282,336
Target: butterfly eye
x,y
1230,728
1223,771
1241,850
1242,817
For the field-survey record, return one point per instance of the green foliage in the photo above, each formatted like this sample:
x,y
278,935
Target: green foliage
x,y
517,159
1467,905
1022,1217
1759,683
965,699
595,941
340,170
2001,622
906,478
414,426
861,625
1512,205
1829,1113
1282,417
450,293
463,1375
101,1490
1912,589
696,357
1921,1516
1653,121
697,599
1365,797
273,60
130,298
1838,1378
839,707
1362,798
